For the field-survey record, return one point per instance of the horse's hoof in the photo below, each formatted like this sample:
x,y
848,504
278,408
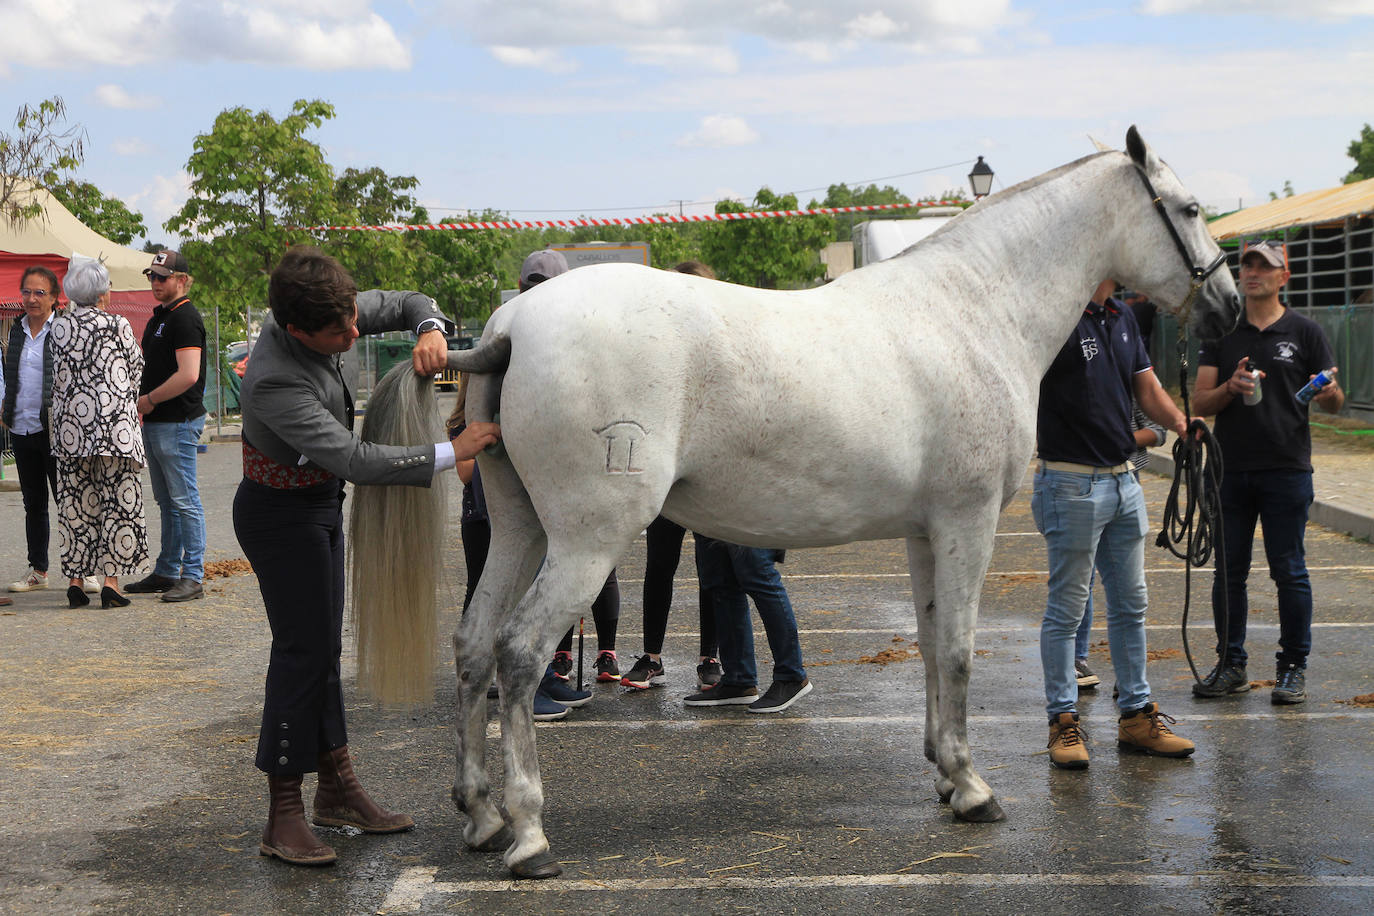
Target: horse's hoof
x,y
498,842
536,867
986,813
945,794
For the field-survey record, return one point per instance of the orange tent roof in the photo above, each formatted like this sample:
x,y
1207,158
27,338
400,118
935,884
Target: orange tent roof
x,y
1315,207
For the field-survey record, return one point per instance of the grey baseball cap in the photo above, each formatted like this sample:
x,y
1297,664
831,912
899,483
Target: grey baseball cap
x,y
542,265
1272,252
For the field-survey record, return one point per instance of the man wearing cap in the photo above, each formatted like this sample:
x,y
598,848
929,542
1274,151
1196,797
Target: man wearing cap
x,y
1266,449
173,417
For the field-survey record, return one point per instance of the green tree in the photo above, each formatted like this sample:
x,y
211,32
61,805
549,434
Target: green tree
x,y
1361,149
106,215
37,154
459,268
253,179
774,253
371,197
1287,191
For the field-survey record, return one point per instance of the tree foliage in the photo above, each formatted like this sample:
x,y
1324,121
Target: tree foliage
x,y
40,151
1361,149
106,215
778,253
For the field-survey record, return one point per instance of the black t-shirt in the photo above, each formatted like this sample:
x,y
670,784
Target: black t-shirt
x,y
173,327
1273,434
1087,396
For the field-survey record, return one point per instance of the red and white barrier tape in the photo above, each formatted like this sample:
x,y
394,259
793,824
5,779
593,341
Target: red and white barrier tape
x,y
631,220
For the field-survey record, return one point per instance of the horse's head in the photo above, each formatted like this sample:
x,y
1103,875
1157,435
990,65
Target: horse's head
x,y
1170,255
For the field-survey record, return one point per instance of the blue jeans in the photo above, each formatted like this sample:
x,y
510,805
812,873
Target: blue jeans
x,y
729,572
171,449
1089,518
1279,500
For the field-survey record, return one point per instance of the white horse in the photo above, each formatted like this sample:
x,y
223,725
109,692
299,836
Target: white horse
x,y
625,391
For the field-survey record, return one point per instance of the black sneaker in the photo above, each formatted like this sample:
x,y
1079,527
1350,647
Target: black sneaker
x,y
1223,681
562,665
723,695
563,692
1086,679
1290,686
645,674
709,673
607,669
781,695
149,584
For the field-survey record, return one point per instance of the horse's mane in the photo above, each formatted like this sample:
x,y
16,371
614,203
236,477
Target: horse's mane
x,y
396,536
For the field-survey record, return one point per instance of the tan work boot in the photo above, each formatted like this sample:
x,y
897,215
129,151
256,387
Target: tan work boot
x,y
1068,747
1146,732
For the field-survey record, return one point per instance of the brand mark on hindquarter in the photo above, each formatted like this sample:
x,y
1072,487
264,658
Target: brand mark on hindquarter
x,y
622,439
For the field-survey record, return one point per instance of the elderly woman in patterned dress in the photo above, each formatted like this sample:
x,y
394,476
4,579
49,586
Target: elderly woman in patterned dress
x,y
97,366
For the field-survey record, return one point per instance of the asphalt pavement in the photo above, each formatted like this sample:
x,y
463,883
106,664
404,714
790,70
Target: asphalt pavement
x,y
127,737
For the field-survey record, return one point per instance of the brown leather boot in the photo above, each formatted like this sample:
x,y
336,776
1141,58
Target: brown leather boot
x,y
287,836
1147,732
341,801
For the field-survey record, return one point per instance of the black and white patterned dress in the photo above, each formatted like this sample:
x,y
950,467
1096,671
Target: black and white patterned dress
x,y
98,443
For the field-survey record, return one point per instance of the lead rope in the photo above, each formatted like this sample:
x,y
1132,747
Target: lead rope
x,y
1197,471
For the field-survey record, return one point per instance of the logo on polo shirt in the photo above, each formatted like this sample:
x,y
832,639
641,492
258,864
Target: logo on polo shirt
x,y
1285,351
1089,345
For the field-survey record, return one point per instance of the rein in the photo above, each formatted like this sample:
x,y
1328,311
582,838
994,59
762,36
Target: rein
x,y
1197,472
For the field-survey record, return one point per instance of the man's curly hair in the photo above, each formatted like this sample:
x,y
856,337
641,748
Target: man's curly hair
x,y
311,291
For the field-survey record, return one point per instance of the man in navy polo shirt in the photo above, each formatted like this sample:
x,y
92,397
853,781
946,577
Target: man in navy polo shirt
x,y
1267,452
1090,508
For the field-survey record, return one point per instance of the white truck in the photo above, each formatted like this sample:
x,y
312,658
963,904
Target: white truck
x,y
880,239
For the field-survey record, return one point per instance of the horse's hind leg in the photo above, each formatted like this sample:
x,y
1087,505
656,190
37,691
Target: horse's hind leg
x,y
568,581
921,563
516,549
962,549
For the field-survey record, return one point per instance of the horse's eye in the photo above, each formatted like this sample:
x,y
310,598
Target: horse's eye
x,y
1192,210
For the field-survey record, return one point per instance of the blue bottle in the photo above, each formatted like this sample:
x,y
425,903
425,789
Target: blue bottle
x,y
1312,388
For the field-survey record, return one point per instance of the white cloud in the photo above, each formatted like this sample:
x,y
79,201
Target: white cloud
x,y
701,57
159,199
114,96
540,59
313,35
131,146
719,131
1308,9
640,29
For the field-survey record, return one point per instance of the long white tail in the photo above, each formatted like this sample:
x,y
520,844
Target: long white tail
x,y
396,537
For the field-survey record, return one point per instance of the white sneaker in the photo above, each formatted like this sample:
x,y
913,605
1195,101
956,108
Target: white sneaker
x,y
91,585
32,581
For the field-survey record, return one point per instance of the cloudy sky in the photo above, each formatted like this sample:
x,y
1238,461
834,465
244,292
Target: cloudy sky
x,y
552,108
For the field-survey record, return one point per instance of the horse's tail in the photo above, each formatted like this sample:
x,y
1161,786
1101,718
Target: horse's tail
x,y
396,537
492,355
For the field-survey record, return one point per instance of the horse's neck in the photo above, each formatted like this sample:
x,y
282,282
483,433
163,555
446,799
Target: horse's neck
x,y
1034,258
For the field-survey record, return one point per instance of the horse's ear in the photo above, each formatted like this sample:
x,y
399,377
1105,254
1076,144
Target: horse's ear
x,y
1139,150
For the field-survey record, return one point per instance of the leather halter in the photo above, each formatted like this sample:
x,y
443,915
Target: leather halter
x,y
1196,272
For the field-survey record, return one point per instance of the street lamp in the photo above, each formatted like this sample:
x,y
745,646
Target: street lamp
x,y
980,179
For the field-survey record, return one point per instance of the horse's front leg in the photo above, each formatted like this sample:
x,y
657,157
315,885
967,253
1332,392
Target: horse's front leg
x,y
964,551
921,564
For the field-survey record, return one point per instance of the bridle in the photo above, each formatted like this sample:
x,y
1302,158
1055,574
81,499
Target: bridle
x,y
1197,275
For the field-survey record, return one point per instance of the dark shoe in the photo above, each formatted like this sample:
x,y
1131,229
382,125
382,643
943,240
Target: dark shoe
x,y
1290,686
607,668
77,597
6,601
1145,731
287,836
645,674
724,695
1068,742
709,673
545,709
110,598
562,665
184,590
1222,682
341,801
149,584
780,695
562,692
493,692
1086,679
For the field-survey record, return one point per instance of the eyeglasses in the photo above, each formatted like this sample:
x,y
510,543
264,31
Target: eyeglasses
x,y
34,293
153,278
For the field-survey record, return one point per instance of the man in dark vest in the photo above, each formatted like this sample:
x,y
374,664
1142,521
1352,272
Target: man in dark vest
x,y
173,418
28,394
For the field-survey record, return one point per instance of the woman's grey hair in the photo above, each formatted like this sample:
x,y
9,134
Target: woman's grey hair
x,y
87,280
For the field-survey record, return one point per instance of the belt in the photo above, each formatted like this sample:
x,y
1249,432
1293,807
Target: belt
x,y
1072,468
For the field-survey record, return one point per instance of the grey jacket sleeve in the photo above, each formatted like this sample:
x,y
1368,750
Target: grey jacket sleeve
x,y
396,310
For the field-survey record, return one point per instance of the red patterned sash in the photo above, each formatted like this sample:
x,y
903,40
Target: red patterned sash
x,y
258,468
